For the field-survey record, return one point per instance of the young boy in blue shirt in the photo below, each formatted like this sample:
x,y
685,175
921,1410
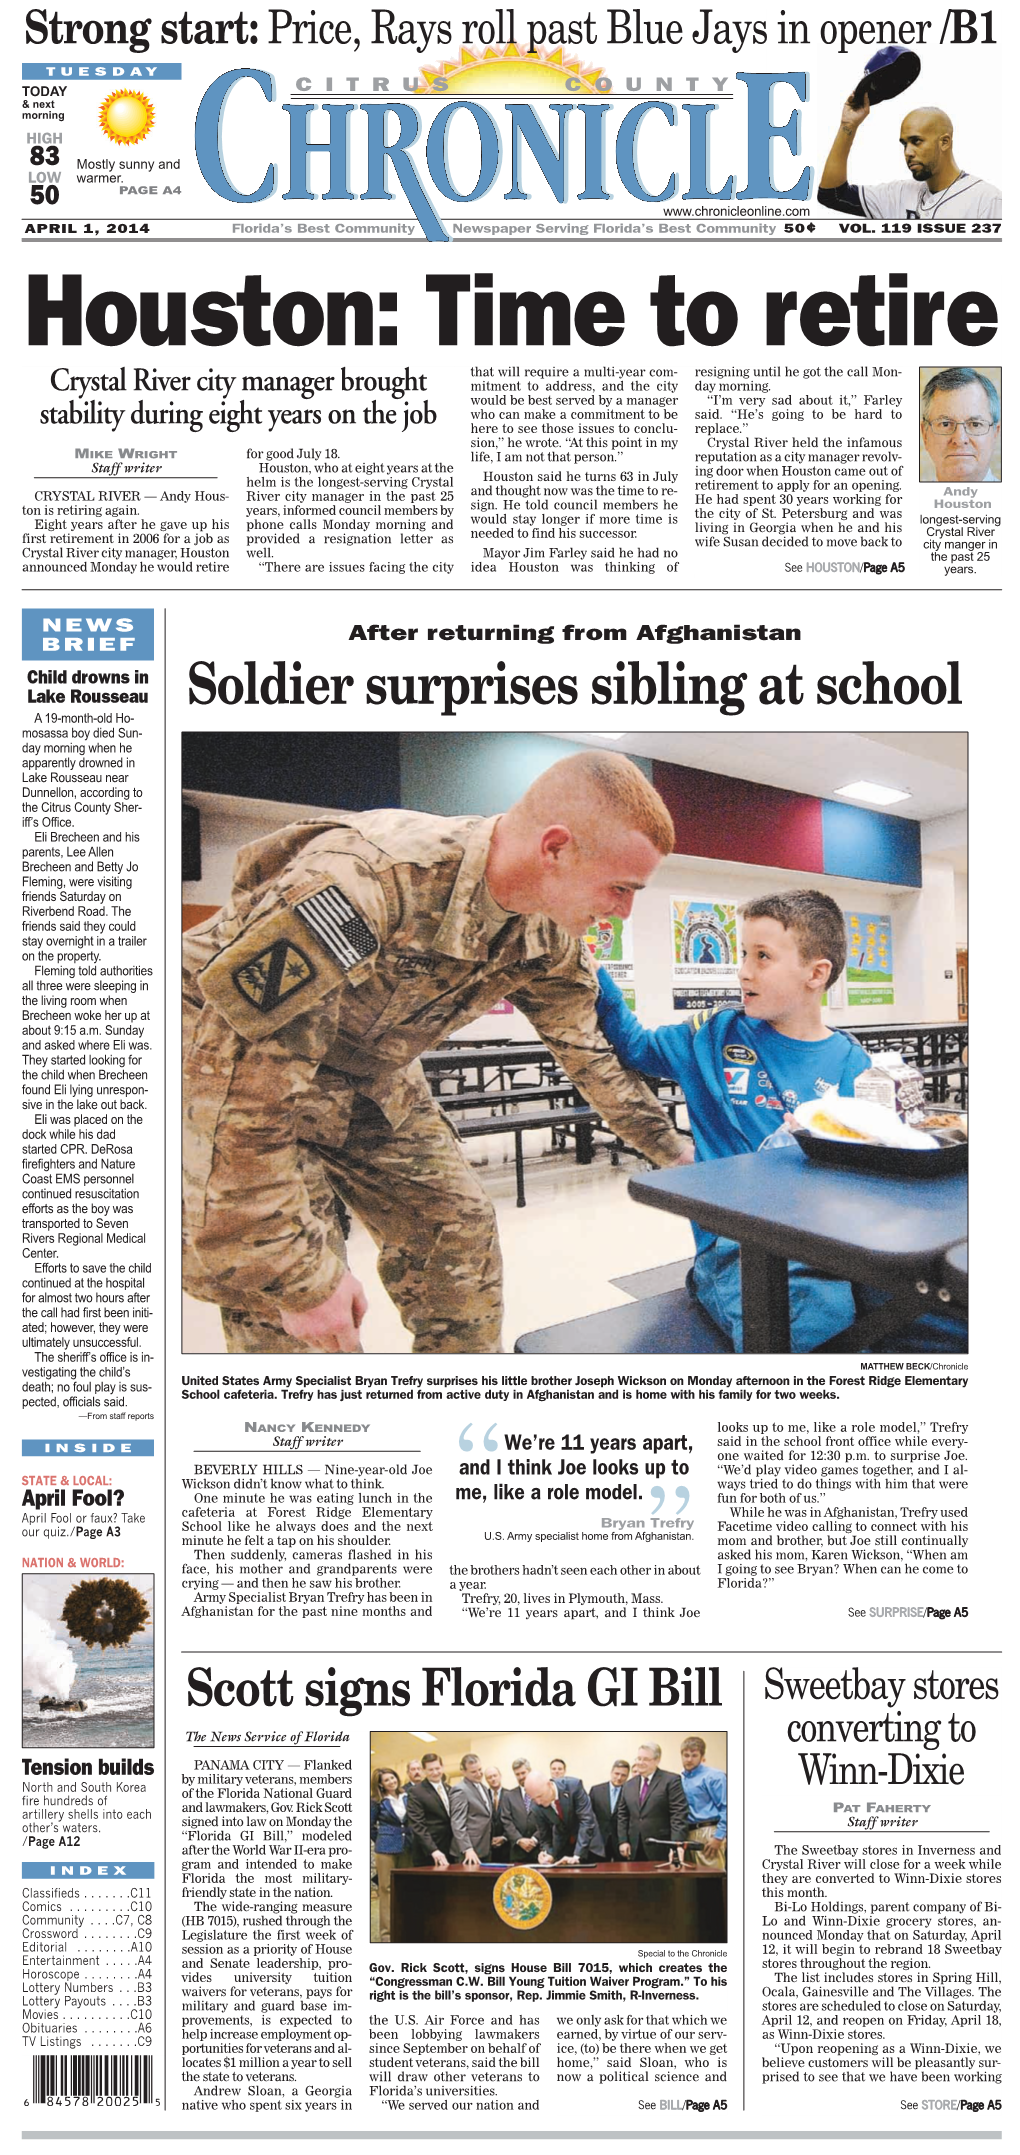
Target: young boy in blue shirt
x,y
742,1071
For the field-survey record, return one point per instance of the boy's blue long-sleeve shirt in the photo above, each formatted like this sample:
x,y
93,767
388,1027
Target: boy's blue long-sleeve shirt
x,y
739,1075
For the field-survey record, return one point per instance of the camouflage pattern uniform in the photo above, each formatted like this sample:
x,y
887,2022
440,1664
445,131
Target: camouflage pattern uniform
x,y
346,949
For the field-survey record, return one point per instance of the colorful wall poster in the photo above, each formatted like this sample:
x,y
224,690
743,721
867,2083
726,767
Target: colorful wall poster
x,y
704,953
869,963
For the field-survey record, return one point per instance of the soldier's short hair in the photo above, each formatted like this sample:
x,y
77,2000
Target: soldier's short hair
x,y
814,920
619,793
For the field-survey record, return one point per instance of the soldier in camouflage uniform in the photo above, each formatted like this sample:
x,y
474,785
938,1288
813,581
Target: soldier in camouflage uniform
x,y
348,947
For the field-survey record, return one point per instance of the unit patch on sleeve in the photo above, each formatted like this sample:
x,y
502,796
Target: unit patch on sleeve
x,y
275,973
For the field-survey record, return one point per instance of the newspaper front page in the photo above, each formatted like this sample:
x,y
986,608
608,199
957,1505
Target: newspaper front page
x,y
513,1652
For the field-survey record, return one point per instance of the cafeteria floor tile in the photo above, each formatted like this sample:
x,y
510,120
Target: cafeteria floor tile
x,y
578,1233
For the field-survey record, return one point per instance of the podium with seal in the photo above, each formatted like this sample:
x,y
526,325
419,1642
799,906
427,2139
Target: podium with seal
x,y
606,1904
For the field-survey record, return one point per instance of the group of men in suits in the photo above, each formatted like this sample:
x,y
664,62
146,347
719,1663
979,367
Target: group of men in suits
x,y
641,1813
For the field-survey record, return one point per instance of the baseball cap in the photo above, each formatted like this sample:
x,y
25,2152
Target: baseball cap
x,y
889,72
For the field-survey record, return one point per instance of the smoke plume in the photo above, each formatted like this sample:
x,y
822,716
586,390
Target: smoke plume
x,y
49,1665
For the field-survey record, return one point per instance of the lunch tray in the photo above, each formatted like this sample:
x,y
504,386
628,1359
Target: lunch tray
x,y
883,1159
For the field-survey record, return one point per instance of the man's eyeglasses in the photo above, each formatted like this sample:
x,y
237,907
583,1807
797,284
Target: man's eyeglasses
x,y
976,427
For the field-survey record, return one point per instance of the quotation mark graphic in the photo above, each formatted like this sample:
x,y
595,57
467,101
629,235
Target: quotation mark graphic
x,y
680,1491
490,1442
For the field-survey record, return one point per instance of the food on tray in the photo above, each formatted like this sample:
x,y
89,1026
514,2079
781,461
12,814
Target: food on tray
x,y
827,1126
861,1122
946,1127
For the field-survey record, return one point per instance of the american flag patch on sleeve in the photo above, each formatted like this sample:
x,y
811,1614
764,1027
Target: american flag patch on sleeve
x,y
337,926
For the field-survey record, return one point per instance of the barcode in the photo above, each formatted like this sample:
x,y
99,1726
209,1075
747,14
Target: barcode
x,y
91,2079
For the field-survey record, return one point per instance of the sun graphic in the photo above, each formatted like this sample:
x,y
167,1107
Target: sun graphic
x,y
126,115
528,69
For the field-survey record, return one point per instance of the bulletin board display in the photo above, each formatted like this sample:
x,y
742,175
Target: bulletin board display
x,y
869,963
704,933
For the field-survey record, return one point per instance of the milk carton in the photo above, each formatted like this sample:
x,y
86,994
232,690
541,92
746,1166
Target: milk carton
x,y
895,1084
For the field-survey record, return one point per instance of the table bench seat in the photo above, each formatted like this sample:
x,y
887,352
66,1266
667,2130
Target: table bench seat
x,y
671,1323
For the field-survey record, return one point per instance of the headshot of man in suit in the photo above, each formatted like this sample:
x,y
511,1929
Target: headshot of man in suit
x,y
961,428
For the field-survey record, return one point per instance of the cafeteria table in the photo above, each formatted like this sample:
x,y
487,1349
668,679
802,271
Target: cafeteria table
x,y
485,1066
889,1232
582,1120
602,1904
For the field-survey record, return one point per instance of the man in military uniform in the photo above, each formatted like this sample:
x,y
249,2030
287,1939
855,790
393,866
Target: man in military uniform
x,y
346,949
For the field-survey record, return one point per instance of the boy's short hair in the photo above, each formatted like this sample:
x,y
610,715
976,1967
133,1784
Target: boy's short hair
x,y
813,919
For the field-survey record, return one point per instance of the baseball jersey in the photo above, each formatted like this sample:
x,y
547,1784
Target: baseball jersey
x,y
966,196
